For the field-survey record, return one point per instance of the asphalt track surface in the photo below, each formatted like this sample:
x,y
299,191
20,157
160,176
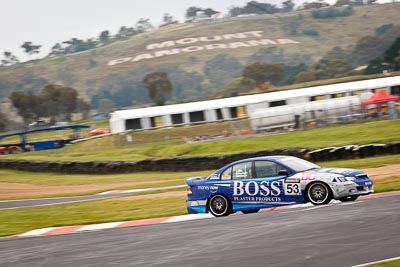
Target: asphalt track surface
x,y
334,235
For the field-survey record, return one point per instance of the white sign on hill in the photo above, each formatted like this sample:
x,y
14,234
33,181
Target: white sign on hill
x,y
214,42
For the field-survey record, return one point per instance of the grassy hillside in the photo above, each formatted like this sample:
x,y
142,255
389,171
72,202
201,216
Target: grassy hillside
x,y
74,70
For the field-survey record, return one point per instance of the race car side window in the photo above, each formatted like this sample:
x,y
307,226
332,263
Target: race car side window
x,y
242,170
227,174
266,168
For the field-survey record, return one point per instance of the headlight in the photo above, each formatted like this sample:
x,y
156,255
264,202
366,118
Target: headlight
x,y
346,179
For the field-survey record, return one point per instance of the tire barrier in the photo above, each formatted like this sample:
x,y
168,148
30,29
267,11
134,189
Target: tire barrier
x,y
159,165
354,151
198,163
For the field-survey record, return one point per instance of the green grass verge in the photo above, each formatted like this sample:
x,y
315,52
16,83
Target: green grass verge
x,y
110,210
107,148
55,179
107,181
395,263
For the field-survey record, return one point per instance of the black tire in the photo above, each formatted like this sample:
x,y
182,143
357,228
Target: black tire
x,y
349,198
219,206
250,211
318,193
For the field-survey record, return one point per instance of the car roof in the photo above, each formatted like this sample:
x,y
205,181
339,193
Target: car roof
x,y
273,158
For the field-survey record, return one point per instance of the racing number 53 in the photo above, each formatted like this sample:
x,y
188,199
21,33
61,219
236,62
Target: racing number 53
x,y
292,189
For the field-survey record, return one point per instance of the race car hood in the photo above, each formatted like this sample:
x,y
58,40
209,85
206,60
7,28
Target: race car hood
x,y
339,171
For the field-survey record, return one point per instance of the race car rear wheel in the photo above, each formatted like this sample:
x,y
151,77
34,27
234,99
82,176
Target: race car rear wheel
x,y
318,193
219,206
250,211
349,198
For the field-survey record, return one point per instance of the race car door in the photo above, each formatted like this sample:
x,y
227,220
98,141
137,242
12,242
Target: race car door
x,y
257,184
273,189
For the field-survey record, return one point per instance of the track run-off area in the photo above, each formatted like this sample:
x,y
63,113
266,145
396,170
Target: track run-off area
x,y
338,234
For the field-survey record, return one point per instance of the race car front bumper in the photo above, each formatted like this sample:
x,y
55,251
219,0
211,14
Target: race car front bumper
x,y
345,189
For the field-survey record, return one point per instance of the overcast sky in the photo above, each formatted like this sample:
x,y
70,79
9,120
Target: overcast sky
x,y
47,22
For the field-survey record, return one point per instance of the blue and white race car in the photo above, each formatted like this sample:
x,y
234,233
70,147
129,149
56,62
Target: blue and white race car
x,y
251,184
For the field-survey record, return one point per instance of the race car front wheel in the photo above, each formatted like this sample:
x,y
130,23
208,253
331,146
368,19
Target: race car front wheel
x,y
219,206
318,193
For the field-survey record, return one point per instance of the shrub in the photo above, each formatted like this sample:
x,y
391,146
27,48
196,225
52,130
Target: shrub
x,y
332,12
382,29
311,32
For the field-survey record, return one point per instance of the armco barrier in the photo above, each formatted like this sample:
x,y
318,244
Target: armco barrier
x,y
163,164
354,151
197,163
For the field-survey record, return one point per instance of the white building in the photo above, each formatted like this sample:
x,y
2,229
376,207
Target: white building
x,y
241,106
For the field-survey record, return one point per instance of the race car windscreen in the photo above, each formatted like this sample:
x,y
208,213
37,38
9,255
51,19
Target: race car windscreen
x,y
299,165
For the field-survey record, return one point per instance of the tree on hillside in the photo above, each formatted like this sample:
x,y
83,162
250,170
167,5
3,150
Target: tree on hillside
x,y
221,69
390,60
262,72
98,96
125,33
104,37
76,45
167,19
26,105
192,11
260,8
239,85
60,100
313,5
210,12
253,7
325,69
349,3
158,86
57,50
9,59
143,25
106,106
305,76
291,71
52,101
30,48
392,54
288,6
84,108
3,122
